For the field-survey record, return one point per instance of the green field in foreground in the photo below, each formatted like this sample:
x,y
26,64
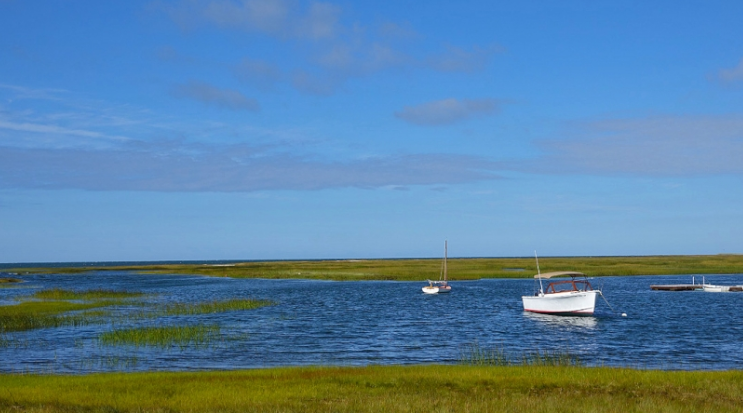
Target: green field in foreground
x,y
431,388
459,268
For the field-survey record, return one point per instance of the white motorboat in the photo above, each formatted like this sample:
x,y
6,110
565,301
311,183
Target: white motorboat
x,y
442,285
566,297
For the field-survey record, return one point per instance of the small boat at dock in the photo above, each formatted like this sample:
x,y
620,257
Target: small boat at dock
x,y
710,288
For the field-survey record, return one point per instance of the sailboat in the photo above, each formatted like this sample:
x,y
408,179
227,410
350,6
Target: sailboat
x,y
442,285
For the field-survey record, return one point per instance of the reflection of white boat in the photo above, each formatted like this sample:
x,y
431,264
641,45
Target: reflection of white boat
x,y
567,297
442,285
551,320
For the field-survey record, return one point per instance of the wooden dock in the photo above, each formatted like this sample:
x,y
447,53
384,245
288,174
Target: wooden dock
x,y
689,287
676,287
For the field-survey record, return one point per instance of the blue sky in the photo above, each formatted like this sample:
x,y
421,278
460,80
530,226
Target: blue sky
x,y
280,129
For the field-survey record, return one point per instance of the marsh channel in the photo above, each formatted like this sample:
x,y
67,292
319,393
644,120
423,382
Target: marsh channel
x,y
374,322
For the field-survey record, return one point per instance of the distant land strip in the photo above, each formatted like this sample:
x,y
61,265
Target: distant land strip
x,y
428,268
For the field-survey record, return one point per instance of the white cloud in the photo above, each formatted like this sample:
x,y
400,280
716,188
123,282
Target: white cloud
x,y
312,84
732,75
664,145
56,130
279,18
98,146
456,59
447,111
259,73
233,168
321,21
331,48
211,95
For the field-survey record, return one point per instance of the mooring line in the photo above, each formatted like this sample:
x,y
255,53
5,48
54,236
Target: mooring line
x,y
607,303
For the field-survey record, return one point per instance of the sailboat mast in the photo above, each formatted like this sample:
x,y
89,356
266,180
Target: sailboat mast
x,y
541,289
445,254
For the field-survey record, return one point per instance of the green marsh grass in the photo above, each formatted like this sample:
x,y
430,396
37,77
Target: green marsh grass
x,y
459,268
474,355
56,310
211,307
430,388
8,280
162,337
44,314
99,294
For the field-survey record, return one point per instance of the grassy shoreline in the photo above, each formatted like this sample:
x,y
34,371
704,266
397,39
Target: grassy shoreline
x,y
426,388
421,269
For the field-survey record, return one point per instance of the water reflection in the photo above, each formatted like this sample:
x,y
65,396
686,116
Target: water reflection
x,y
588,322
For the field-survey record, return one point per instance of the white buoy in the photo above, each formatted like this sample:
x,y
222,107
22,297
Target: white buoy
x,y
624,314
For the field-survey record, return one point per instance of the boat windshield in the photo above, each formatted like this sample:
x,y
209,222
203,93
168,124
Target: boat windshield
x,y
569,285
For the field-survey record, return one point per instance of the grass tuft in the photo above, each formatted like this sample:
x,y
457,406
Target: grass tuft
x,y
100,294
44,314
162,337
10,280
214,307
474,355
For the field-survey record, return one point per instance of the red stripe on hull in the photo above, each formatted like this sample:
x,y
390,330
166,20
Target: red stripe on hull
x,y
586,312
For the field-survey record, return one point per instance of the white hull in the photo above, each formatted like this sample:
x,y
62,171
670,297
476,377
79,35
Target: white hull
x,y
569,302
436,290
715,288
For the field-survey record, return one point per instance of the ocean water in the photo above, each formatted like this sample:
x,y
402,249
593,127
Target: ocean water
x,y
386,322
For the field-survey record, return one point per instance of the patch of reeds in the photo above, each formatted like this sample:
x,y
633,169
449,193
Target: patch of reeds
x,y
98,294
210,307
5,280
44,314
475,355
162,337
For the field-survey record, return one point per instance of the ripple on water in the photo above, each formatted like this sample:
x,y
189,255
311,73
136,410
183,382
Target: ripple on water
x,y
359,323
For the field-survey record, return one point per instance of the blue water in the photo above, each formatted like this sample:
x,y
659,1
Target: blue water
x,y
384,322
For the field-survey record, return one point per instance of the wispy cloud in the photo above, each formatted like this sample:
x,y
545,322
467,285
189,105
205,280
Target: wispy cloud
x,y
333,48
278,18
259,73
734,74
211,95
313,84
457,59
20,92
233,168
653,146
108,147
56,130
447,111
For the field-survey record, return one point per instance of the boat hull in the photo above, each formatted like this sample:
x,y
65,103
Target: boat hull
x,y
436,290
716,288
562,303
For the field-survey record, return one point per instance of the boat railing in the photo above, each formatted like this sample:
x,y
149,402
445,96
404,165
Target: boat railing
x,y
569,285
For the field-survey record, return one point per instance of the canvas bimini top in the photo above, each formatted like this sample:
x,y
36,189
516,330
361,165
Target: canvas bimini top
x,y
559,274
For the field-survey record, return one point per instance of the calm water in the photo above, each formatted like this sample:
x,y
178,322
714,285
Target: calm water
x,y
360,323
